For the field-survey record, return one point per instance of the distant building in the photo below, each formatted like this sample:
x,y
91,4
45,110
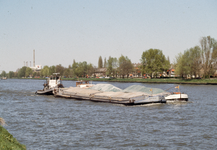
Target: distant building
x,y
100,72
171,72
36,68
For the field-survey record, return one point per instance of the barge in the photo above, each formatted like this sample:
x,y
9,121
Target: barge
x,y
109,94
133,95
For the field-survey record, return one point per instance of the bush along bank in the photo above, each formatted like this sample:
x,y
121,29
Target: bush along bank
x,y
212,81
8,142
158,81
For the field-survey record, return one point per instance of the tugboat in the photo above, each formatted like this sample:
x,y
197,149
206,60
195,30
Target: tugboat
x,y
51,83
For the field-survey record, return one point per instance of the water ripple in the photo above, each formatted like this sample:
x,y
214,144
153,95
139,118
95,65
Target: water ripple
x,y
45,122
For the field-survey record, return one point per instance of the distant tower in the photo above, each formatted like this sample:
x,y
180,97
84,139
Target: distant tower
x,y
30,64
33,58
27,64
24,63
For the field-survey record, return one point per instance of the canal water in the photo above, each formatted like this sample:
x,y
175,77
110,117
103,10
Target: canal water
x,y
45,122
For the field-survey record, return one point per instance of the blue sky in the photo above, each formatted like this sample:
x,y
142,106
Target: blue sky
x,y
61,31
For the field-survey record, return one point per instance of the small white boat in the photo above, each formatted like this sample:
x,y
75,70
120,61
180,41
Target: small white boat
x,y
52,83
174,96
177,96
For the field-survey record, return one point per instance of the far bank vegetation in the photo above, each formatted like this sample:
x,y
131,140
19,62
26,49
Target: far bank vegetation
x,y
198,61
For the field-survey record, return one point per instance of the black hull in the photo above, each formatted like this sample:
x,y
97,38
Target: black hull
x,y
47,92
178,99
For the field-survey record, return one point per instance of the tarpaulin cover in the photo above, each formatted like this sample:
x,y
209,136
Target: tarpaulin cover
x,y
131,89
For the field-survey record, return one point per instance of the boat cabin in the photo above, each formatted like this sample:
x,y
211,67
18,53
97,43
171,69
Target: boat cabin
x,y
83,84
53,82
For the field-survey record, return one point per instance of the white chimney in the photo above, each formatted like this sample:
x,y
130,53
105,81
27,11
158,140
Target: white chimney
x,y
33,58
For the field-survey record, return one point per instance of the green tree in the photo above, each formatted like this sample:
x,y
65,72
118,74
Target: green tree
x,y
82,69
10,74
154,62
90,69
109,68
189,63
28,72
125,66
100,63
66,72
34,74
105,63
52,69
195,60
4,74
15,74
70,71
208,54
22,72
112,65
45,71
115,65
60,69
74,68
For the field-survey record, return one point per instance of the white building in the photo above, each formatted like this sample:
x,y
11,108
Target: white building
x,y
36,68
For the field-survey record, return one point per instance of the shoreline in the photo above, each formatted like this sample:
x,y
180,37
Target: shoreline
x,y
140,80
7,141
153,81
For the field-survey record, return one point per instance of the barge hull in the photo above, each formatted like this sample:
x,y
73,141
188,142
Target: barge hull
x,y
97,97
125,102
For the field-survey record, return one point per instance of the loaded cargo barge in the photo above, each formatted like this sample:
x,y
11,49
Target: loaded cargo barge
x,y
108,97
108,93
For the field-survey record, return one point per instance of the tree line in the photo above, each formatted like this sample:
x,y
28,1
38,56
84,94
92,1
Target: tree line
x,y
115,67
200,60
197,61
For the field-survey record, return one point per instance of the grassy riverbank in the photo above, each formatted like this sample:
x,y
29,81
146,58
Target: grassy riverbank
x,y
7,141
140,80
212,81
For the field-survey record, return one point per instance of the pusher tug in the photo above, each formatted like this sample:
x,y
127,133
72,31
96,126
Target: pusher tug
x,y
51,83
